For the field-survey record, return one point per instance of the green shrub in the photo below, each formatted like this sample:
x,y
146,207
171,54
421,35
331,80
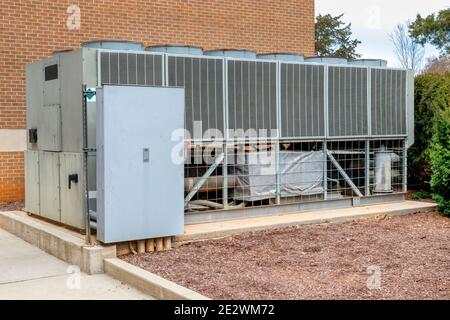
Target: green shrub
x,y
431,96
421,195
440,161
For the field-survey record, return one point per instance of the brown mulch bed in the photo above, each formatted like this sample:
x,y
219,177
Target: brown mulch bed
x,y
11,206
317,261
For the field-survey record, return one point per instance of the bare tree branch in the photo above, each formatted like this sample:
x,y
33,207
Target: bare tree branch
x,y
409,53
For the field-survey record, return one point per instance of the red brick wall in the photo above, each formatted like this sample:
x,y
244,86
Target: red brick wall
x,y
31,30
11,176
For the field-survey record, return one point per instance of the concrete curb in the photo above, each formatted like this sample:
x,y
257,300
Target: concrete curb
x,y
57,241
214,230
148,282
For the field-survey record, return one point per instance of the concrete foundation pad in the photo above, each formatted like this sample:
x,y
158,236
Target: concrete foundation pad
x,y
148,282
60,242
213,230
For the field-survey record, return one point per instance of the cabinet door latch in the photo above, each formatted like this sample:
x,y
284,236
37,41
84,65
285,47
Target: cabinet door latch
x,y
72,178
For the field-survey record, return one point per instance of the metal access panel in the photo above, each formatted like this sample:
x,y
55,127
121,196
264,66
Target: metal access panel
x,y
49,117
388,95
140,166
49,128
252,96
202,78
35,97
347,101
302,100
71,78
49,193
72,189
32,181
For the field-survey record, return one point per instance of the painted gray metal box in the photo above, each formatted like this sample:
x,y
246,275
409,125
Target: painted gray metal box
x,y
140,167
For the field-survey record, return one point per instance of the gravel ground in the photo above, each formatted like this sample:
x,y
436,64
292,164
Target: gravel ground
x,y
11,206
411,252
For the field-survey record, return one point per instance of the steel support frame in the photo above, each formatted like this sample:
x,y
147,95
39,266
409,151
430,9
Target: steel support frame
x,y
344,174
225,134
367,169
405,166
277,142
86,150
203,179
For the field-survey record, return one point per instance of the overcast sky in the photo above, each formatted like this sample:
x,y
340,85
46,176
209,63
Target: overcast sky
x,y
373,21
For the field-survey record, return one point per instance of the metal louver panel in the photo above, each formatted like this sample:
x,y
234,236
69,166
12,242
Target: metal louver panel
x,y
202,79
131,68
388,95
302,100
252,96
347,101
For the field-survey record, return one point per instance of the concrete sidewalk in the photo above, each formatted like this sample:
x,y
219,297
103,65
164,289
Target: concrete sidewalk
x,y
27,272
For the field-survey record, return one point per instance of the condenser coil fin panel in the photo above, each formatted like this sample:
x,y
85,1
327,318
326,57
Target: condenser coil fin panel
x,y
388,95
347,101
252,97
140,167
202,79
124,68
302,100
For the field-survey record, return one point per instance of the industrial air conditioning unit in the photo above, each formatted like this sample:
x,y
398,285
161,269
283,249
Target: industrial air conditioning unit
x,y
334,132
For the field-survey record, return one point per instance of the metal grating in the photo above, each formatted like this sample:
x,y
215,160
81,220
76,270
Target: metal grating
x,y
388,102
252,97
131,68
347,101
302,100
202,79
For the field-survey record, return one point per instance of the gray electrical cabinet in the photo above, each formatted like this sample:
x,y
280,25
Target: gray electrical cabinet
x,y
140,162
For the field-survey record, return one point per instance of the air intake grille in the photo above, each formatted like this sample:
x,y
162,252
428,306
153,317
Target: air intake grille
x,y
347,101
202,79
252,96
131,68
388,102
302,100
